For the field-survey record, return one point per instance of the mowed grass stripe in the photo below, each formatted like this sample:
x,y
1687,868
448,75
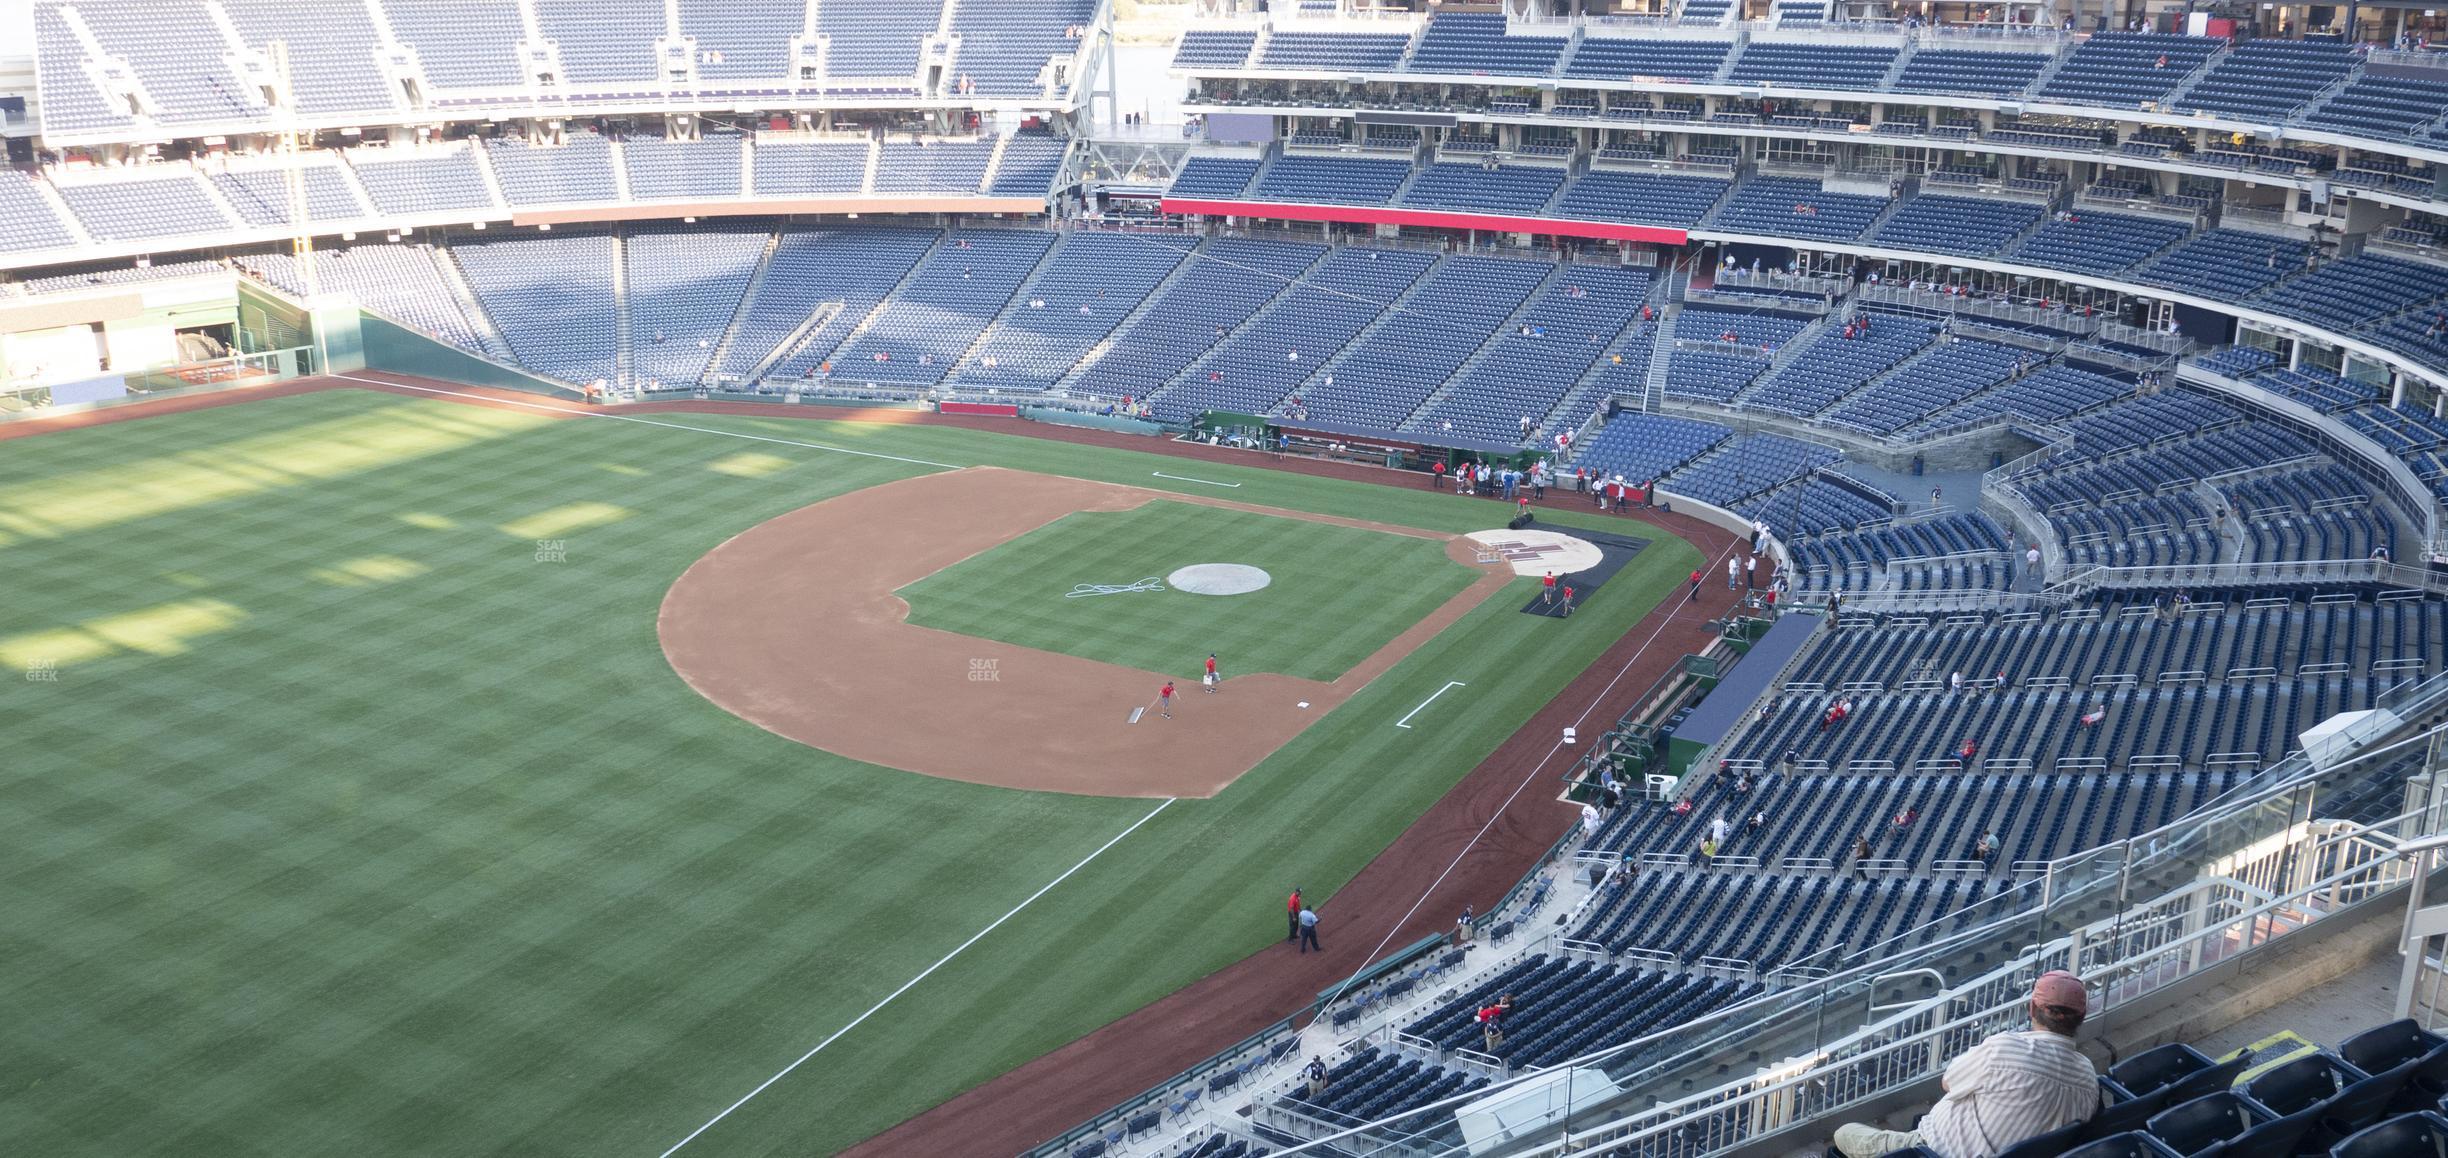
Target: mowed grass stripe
x,y
1336,595
447,860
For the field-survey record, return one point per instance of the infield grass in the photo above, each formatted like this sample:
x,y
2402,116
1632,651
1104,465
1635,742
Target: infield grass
x,y
352,808
1336,594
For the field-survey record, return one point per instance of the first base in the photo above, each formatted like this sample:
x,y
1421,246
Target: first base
x,y
1137,712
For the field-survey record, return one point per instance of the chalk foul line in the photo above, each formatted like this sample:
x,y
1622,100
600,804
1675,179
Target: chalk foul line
x,y
1187,478
1450,685
906,986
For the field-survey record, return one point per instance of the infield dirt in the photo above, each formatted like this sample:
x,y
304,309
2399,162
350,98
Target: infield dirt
x,y
793,626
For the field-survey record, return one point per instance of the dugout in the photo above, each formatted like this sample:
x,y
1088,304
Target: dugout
x,y
1403,449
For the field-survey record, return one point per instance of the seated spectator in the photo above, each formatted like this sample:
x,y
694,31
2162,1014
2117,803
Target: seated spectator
x,y
2016,1084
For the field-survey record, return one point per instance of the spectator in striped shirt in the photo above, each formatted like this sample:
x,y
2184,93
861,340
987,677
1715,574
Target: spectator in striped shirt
x,y
2014,1085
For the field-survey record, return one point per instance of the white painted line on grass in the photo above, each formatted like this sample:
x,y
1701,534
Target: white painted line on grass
x,y
1450,685
1187,478
906,985
565,411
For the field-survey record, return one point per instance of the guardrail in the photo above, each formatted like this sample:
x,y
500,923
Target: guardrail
x,y
2091,577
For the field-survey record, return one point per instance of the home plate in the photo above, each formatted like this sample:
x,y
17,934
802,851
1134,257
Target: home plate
x,y
1534,552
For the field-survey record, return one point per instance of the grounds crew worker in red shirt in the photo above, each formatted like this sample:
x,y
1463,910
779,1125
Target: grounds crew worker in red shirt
x,y
1292,910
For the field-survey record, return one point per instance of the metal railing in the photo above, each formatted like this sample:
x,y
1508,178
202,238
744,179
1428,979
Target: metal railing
x,y
2085,578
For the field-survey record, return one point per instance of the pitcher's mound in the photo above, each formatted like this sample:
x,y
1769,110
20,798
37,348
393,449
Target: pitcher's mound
x,y
1218,579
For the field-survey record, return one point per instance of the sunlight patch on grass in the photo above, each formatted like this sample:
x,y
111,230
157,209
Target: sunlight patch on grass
x,y
168,629
369,571
750,464
125,492
563,519
429,521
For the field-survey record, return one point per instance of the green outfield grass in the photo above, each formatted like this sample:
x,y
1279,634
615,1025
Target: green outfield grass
x,y
351,808
1336,593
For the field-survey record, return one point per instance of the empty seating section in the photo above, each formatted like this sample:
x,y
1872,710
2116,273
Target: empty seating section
x,y
1706,11
1030,163
1511,190
2346,294
1970,72
1970,226
1331,181
413,181
2225,264
1088,284
1764,920
70,100
602,41
1823,502
399,282
2094,242
1375,1083
871,43
551,296
1214,48
1563,1008
109,276
1747,465
2388,106
1529,369
2049,394
1841,66
1262,363
1640,198
1334,52
2266,81
1224,283
819,285
683,288
461,43
1943,377
1642,447
1834,364
261,196
1611,58
786,167
1380,379
179,57
331,53
914,340
944,168
578,169
1734,350
742,39
2321,512
2127,69
1818,815
1004,46
164,206
1786,207
667,170
2317,389
1459,42
27,221
1954,551
1214,178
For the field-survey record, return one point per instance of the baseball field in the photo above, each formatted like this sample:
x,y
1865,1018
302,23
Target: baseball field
x,y
392,775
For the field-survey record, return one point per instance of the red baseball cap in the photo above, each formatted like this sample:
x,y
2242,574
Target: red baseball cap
x,y
2062,990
